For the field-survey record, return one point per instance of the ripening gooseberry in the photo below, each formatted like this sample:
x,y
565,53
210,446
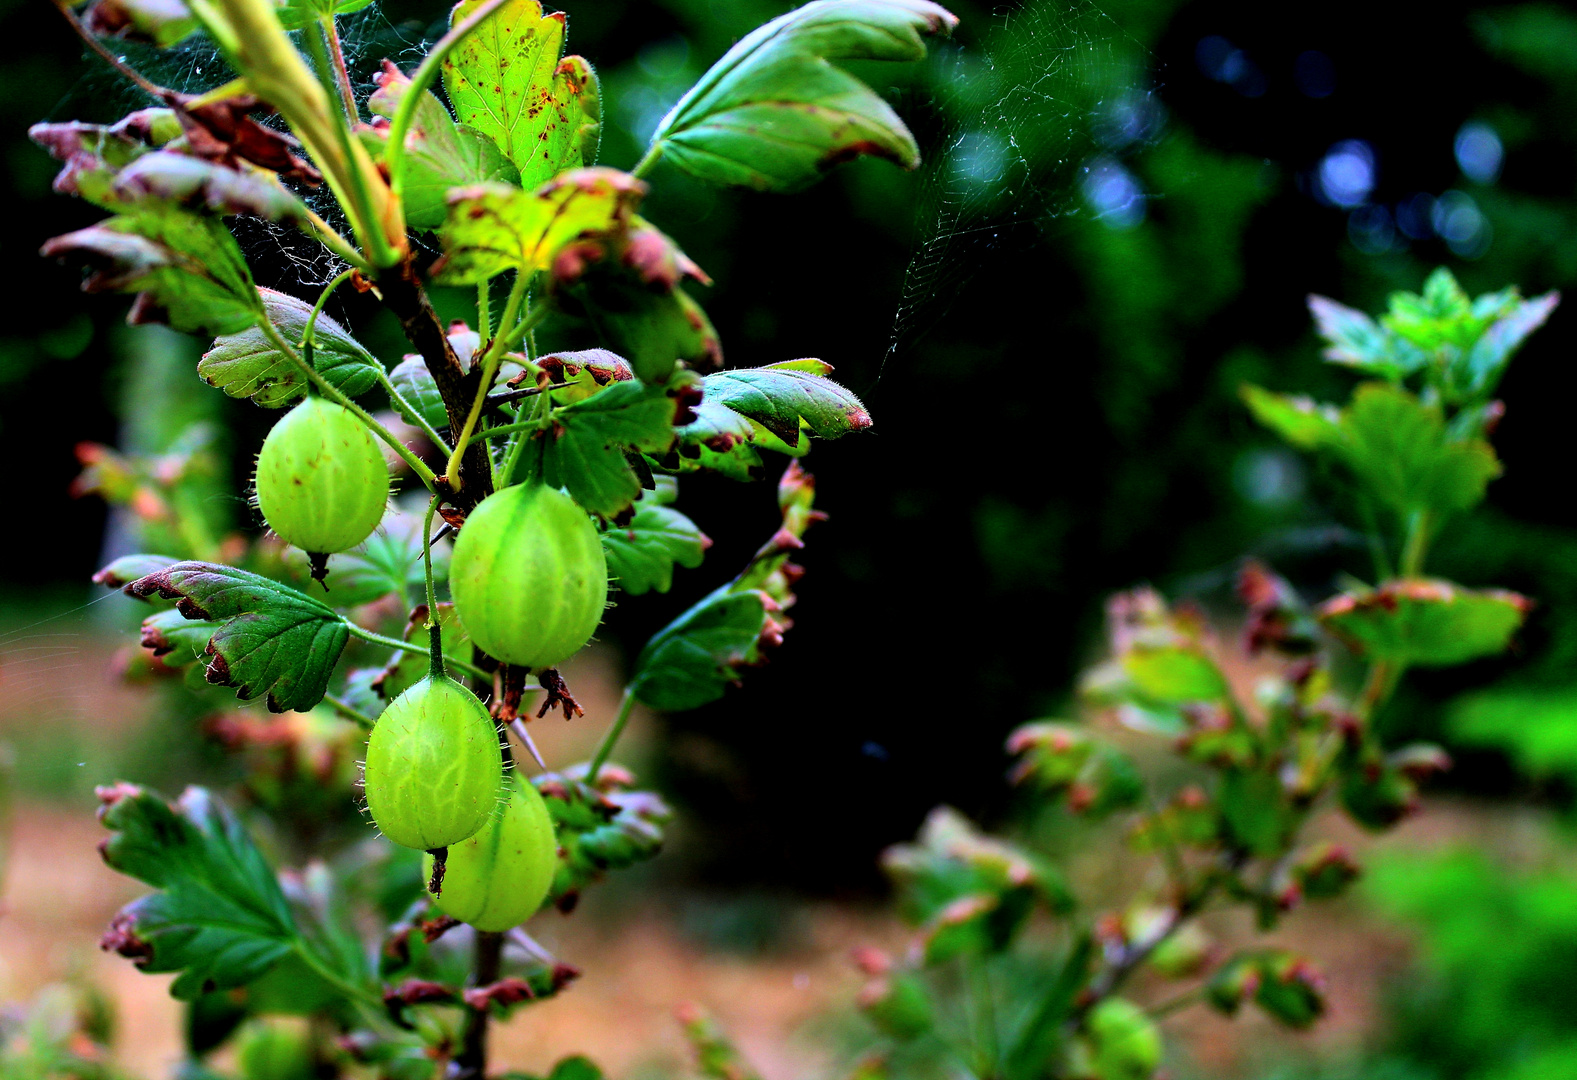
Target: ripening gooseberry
x,y
528,576
434,769
322,481
499,878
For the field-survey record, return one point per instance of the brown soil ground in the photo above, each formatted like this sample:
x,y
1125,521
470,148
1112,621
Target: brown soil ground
x,y
58,897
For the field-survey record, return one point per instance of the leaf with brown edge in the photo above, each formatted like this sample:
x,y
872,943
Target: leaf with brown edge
x,y
439,154
185,268
224,131
628,283
272,640
1426,622
218,916
494,227
788,402
775,113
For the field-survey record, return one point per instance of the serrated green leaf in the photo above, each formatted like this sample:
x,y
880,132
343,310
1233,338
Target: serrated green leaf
x,y
1172,675
774,113
1442,315
273,640
787,401
1425,622
1256,811
295,14
507,82
584,451
1299,420
219,917
598,829
247,365
1399,449
491,228
387,563
642,553
176,639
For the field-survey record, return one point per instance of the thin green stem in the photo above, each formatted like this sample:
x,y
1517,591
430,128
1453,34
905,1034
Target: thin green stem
x,y
309,332
1418,530
488,370
349,711
359,994
435,641
1176,1003
484,309
1378,687
416,650
517,441
333,393
626,707
341,72
510,429
644,166
405,111
403,406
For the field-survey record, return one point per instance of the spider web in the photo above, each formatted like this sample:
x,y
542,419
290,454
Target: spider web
x,y
282,257
1027,130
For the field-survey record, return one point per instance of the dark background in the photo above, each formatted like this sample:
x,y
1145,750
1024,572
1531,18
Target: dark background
x,y
1054,387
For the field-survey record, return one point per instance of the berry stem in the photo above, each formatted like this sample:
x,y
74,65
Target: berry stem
x,y
333,393
341,72
435,641
489,369
403,406
626,707
309,332
417,650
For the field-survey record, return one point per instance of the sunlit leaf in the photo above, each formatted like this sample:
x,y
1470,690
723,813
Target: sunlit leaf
x,y
507,82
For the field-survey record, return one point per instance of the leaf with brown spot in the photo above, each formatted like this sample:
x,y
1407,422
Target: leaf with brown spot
x,y
506,81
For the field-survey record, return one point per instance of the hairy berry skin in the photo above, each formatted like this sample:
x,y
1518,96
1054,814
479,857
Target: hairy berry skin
x,y
528,576
322,482
498,879
434,769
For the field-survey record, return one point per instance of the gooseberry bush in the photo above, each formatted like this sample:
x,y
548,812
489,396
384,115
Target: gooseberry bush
x,y
1210,754
435,607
